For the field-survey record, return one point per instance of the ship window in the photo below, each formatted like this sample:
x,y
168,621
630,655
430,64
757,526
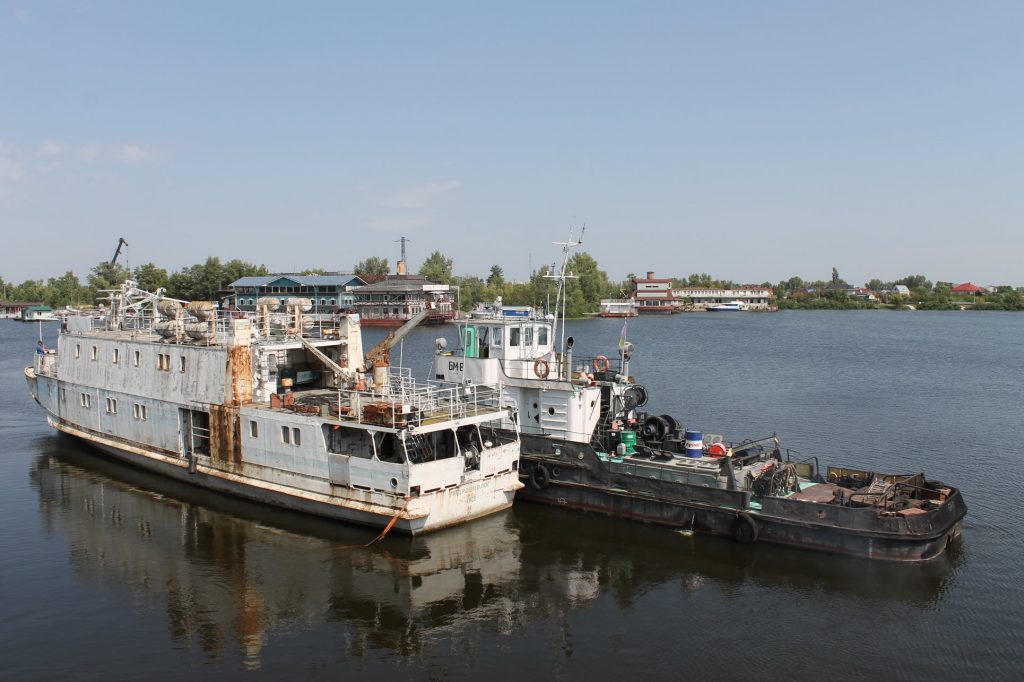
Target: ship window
x,y
527,336
542,336
181,363
333,301
254,429
86,400
496,336
111,406
78,350
63,395
95,352
286,434
137,359
163,361
513,336
139,411
296,436
116,355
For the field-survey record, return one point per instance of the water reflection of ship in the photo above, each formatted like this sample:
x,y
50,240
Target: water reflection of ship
x,y
231,574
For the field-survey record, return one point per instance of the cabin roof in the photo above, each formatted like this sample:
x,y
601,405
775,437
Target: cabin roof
x,y
335,279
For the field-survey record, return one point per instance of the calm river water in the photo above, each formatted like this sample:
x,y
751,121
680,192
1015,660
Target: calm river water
x,y
109,573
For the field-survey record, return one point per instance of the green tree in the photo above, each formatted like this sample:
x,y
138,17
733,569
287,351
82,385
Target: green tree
x,y
471,291
105,275
29,290
198,282
497,277
374,268
235,269
591,281
915,282
150,277
437,268
66,290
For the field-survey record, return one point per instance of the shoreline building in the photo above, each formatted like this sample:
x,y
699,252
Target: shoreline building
x,y
654,295
398,298
13,310
753,297
329,293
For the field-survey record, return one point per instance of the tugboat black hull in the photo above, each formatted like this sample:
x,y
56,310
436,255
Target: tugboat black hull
x,y
572,475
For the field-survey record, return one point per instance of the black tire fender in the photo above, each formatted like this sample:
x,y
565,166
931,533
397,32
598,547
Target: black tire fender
x,y
746,529
540,477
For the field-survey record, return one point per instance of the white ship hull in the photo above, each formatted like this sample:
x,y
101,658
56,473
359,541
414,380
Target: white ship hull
x,y
217,413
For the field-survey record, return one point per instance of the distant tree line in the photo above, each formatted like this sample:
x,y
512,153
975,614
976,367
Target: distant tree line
x,y
584,292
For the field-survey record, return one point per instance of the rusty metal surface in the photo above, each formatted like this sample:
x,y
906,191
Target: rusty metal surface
x,y
225,436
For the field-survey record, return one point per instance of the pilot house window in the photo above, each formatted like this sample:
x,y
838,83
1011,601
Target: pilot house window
x,y
513,336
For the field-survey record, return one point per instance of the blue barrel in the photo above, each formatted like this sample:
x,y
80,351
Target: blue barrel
x,y
694,445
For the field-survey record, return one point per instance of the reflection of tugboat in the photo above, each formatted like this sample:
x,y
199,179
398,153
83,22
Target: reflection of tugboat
x,y
587,444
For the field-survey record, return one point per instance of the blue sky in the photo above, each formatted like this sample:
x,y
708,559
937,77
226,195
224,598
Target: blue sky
x,y
750,140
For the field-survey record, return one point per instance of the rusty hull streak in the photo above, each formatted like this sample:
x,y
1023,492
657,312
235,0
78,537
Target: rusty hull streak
x,y
225,421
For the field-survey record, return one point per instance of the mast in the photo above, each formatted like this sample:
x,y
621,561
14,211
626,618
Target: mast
x,y
564,275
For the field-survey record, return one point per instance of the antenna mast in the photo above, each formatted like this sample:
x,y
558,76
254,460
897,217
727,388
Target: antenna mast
x,y
564,275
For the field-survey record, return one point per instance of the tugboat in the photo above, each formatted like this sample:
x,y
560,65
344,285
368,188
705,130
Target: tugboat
x,y
274,409
588,444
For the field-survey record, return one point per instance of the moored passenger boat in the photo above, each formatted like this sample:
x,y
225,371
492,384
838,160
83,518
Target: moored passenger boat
x,y
588,444
272,409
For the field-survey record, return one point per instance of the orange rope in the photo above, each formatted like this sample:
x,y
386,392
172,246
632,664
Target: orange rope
x,y
391,524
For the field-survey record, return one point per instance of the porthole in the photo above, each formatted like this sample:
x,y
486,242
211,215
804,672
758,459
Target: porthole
x,y
394,482
551,411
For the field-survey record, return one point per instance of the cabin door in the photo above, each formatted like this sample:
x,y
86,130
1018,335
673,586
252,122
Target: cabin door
x,y
194,430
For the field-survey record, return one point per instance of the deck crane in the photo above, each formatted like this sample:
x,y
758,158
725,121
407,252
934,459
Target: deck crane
x,y
117,252
379,357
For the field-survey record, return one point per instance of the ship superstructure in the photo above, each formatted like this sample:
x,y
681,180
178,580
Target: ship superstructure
x,y
272,407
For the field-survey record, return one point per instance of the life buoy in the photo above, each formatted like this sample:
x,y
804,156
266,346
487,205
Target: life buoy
x,y
717,450
541,368
745,532
601,363
539,477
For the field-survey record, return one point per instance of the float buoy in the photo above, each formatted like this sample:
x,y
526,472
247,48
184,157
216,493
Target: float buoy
x,y
601,363
541,369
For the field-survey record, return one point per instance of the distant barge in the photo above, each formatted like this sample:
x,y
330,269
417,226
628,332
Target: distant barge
x,y
587,444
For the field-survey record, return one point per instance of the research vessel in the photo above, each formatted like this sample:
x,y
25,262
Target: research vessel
x,y
277,409
588,444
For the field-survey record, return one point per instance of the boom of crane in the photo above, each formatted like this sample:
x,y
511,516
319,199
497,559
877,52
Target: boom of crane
x,y
117,252
380,355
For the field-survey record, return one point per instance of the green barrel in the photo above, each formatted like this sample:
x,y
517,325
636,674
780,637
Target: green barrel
x,y
629,440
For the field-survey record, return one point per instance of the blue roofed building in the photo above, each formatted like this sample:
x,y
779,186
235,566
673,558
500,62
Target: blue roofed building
x,y
329,292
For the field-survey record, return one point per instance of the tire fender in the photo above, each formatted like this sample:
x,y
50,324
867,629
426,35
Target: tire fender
x,y
540,477
746,529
